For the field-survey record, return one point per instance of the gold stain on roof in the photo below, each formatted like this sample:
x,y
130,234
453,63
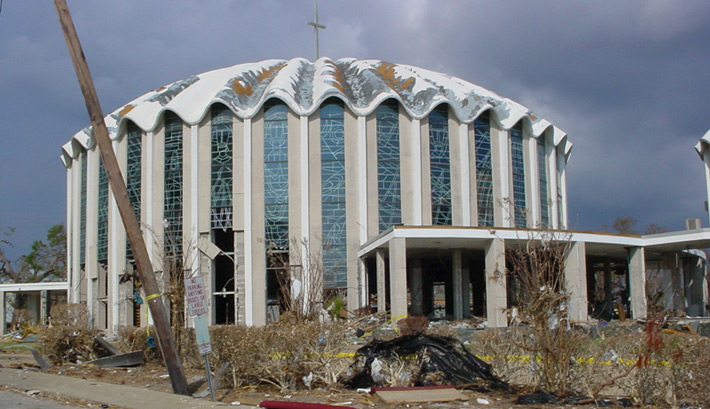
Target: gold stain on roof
x,y
128,108
386,71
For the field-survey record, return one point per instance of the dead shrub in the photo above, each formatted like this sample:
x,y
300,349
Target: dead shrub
x,y
500,348
135,338
284,355
68,337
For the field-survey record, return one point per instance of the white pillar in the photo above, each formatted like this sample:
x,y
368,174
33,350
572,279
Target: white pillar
x,y
398,279
576,282
380,279
637,278
248,234
706,161
562,169
416,153
496,296
2,313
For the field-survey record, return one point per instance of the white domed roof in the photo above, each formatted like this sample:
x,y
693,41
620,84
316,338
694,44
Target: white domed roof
x,y
304,85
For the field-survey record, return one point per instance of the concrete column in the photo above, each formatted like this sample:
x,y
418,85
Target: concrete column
x,y
249,284
637,279
380,271
706,161
576,282
551,155
696,299
496,297
398,279
456,280
608,290
43,307
465,293
416,288
562,186
363,283
2,313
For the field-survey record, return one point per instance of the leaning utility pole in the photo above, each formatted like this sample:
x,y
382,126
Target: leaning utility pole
x,y
118,186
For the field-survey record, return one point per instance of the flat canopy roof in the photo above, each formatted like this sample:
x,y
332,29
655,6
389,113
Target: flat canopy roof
x,y
26,287
597,243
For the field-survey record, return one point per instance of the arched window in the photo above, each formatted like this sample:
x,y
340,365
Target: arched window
x,y
102,225
172,187
542,171
484,169
82,215
332,150
222,170
440,168
134,150
388,174
518,168
276,176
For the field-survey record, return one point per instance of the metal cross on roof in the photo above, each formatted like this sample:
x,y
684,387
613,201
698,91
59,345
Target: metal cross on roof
x,y
316,26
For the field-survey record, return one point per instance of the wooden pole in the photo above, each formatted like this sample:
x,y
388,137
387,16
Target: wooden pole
x,y
118,186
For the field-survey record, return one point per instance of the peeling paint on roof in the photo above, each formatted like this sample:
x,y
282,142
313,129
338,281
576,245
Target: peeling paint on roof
x,y
303,85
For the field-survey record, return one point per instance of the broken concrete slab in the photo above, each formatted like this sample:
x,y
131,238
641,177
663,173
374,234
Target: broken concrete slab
x,y
40,361
128,359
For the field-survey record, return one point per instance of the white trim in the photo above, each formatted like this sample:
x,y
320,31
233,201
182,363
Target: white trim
x,y
305,220
43,286
194,200
69,227
113,262
416,171
562,169
148,159
505,171
706,162
465,174
362,177
551,155
535,218
248,233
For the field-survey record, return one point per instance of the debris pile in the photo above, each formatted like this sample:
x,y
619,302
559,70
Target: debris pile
x,y
420,360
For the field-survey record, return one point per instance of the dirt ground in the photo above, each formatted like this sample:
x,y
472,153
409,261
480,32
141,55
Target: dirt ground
x,y
154,377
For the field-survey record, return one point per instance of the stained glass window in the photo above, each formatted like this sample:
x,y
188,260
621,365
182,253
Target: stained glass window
x,y
102,244
439,164
82,216
172,210
542,170
133,173
388,174
276,176
222,172
484,169
518,165
332,148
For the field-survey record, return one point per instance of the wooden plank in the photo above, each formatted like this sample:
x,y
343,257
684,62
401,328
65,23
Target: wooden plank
x,y
419,395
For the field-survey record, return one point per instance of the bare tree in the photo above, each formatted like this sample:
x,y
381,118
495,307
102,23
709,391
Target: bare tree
x,y
300,280
537,273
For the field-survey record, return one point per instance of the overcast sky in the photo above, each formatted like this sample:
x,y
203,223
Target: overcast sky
x,y
629,81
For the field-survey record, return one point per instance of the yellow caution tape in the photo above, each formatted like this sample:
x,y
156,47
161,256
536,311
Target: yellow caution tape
x,y
150,297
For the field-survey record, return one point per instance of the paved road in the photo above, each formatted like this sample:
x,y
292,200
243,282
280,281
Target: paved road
x,y
19,400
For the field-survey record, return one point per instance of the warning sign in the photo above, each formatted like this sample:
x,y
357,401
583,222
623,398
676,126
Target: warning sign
x,y
195,296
